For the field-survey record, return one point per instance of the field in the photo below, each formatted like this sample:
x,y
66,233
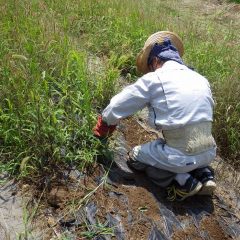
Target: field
x,y
62,61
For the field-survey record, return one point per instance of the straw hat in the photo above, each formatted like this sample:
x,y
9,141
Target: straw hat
x,y
157,37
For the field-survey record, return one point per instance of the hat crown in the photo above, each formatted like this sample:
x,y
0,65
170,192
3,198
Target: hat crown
x,y
158,37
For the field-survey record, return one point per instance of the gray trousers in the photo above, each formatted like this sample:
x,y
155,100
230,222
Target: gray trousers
x,y
160,177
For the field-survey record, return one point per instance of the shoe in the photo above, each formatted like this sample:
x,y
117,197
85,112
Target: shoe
x,y
178,193
208,187
208,183
203,174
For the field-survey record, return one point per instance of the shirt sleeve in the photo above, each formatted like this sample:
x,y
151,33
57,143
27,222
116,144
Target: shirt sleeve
x,y
127,102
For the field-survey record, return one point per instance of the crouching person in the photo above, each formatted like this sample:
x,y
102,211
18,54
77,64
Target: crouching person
x,y
180,105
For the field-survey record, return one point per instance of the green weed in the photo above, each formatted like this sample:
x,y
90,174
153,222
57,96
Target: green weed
x,y
99,229
48,97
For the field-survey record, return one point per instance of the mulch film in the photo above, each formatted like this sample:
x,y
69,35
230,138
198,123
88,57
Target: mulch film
x,y
122,209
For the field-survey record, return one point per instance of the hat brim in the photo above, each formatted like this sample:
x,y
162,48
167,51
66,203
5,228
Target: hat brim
x,y
157,37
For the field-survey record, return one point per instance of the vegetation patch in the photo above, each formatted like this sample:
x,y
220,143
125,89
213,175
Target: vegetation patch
x,y
50,96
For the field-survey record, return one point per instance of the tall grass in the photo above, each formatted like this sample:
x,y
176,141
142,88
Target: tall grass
x,y
49,97
50,94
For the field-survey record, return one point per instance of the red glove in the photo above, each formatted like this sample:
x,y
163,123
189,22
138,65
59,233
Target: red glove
x,y
102,130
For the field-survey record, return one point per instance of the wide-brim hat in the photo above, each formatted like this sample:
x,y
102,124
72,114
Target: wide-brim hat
x,y
157,37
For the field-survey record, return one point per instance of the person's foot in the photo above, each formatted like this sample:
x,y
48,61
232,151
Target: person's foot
x,y
208,188
209,185
207,180
178,193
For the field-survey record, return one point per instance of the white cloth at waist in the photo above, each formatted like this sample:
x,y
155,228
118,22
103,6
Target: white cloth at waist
x,y
191,139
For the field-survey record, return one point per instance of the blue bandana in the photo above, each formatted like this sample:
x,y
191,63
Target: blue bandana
x,y
165,51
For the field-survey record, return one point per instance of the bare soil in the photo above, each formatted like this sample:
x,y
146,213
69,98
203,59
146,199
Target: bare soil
x,y
135,134
139,206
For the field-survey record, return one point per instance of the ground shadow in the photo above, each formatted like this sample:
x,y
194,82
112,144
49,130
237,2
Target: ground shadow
x,y
120,173
192,210
194,205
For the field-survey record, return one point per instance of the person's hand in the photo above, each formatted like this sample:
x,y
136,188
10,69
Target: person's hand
x,y
102,130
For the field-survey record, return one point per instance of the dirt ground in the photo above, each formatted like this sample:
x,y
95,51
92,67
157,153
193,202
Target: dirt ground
x,y
91,206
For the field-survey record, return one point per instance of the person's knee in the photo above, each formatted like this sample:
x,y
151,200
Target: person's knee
x,y
134,163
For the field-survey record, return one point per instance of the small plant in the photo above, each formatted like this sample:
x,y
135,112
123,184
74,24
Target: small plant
x,y
98,230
